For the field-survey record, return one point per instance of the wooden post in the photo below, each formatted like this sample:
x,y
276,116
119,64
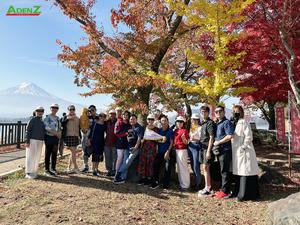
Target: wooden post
x,y
19,135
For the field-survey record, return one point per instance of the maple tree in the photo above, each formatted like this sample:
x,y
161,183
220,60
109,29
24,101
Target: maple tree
x,y
264,65
117,64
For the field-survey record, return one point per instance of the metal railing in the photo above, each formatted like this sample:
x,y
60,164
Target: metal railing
x,y
12,134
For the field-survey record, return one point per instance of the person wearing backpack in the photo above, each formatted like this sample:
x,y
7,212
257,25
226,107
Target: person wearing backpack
x,y
52,136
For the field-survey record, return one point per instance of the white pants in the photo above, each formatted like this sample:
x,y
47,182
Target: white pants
x,y
183,168
33,156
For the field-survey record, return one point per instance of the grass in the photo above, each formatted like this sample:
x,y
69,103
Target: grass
x,y
83,199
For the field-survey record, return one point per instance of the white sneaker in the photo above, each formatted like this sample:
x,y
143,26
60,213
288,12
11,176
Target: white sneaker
x,y
76,170
29,176
205,193
69,171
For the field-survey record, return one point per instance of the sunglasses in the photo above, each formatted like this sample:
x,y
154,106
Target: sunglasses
x,y
151,119
72,109
40,111
218,111
54,107
179,121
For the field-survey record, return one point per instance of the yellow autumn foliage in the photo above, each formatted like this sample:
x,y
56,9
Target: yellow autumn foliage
x,y
213,18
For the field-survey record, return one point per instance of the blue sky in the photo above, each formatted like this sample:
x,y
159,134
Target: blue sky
x,y
28,49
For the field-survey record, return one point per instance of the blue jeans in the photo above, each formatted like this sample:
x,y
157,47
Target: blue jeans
x,y
193,151
127,161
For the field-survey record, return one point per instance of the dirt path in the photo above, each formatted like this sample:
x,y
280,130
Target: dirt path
x,y
82,199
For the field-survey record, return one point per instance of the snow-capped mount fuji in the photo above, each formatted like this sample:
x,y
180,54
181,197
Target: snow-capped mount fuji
x,y
21,100
27,89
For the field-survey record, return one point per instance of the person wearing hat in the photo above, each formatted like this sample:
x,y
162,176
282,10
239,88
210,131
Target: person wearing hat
x,y
181,139
147,154
110,151
194,148
52,136
35,134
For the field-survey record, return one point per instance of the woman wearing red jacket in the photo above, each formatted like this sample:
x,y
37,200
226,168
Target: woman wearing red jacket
x,y
181,138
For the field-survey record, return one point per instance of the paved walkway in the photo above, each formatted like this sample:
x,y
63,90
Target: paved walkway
x,y
15,161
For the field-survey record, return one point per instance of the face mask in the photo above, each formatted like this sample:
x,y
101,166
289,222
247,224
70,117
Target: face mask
x,y
236,115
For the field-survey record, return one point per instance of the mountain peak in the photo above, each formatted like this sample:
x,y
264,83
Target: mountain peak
x,y
27,88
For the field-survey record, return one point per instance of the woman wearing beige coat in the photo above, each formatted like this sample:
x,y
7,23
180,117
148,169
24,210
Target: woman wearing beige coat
x,y
244,163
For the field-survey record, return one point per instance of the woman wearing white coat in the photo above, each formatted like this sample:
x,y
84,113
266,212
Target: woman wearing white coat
x,y
244,162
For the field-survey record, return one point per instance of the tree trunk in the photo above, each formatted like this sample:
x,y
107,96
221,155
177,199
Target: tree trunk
x,y
144,93
269,115
189,114
272,123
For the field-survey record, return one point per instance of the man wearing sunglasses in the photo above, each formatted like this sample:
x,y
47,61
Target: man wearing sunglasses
x,y
224,134
86,150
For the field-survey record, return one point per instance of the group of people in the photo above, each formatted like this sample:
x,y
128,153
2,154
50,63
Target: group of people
x,y
120,140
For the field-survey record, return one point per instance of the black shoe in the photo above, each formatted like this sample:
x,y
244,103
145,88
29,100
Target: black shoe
x,y
154,185
232,195
118,176
183,189
108,174
120,181
147,182
166,186
195,188
141,181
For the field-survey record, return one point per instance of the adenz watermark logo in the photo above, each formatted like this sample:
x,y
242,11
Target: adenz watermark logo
x,y
34,11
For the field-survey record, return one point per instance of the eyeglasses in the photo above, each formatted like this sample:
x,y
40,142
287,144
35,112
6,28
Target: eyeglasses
x,y
218,111
92,110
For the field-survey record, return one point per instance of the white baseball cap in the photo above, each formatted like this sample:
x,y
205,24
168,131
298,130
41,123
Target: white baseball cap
x,y
180,118
195,116
112,111
39,108
151,116
54,105
118,108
